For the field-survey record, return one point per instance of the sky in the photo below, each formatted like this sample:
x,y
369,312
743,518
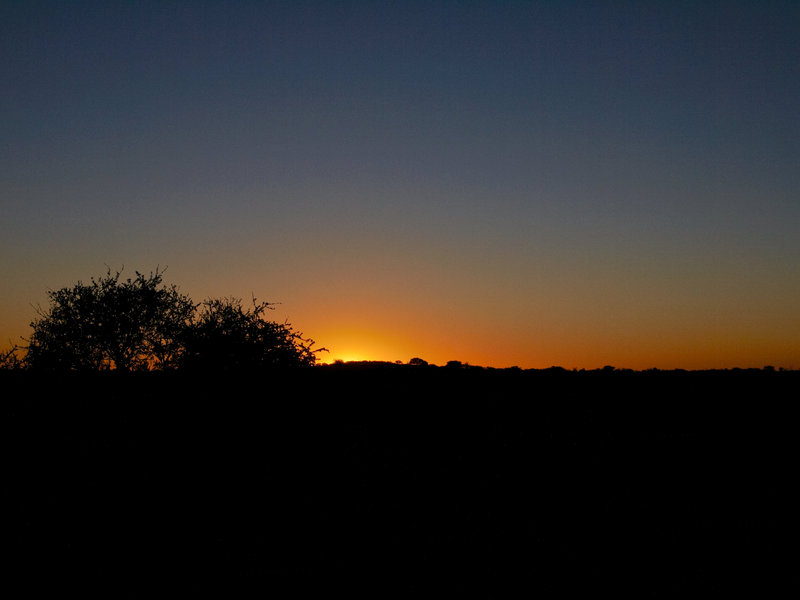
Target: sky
x,y
576,184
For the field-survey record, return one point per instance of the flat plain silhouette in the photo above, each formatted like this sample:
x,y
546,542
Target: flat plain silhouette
x,y
229,479
387,479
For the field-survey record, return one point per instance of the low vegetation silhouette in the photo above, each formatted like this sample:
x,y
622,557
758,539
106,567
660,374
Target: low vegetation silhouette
x,y
141,324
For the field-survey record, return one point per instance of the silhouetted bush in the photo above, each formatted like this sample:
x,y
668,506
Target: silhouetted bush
x,y
226,336
128,325
140,324
10,359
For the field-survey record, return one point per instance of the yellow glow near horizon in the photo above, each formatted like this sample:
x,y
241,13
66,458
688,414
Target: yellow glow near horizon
x,y
345,358
362,345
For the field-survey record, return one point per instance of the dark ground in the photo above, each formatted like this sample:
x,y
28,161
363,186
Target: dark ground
x,y
407,481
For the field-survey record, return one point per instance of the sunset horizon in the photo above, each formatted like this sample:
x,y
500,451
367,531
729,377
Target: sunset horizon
x,y
502,184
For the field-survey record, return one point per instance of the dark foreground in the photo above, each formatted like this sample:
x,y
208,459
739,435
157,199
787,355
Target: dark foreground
x,y
383,482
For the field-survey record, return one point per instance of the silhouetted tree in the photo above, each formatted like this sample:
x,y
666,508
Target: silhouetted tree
x,y
132,324
226,336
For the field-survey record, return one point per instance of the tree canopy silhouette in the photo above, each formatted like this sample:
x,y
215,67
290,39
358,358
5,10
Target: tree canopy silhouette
x,y
140,324
109,323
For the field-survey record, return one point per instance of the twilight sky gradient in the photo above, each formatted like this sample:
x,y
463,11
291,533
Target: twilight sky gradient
x,y
501,183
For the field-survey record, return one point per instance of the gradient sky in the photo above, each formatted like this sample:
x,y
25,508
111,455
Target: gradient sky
x,y
502,183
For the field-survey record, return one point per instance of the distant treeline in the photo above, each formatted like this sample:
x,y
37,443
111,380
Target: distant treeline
x,y
555,370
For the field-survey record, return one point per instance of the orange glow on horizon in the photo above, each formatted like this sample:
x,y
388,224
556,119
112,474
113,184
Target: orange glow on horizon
x,y
569,353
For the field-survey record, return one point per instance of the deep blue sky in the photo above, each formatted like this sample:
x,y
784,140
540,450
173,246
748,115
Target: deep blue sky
x,y
574,183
